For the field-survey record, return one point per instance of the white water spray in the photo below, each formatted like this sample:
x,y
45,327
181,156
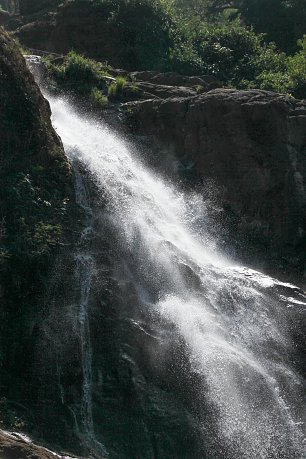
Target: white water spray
x,y
235,332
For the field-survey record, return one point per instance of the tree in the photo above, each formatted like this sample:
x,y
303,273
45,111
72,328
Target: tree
x,y
204,9
283,21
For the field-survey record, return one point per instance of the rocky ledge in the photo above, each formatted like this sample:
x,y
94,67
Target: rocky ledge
x,y
17,446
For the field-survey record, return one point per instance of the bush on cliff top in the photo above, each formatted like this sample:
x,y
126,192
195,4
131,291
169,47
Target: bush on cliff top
x,y
168,35
283,22
78,72
236,55
87,78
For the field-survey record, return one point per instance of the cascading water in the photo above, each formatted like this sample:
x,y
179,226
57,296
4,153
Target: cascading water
x,y
85,267
232,324
84,274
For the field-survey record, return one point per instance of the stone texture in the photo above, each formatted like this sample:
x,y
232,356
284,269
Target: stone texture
x,y
36,195
251,144
204,82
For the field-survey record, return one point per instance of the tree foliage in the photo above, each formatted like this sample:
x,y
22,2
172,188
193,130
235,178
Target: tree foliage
x,y
282,21
197,37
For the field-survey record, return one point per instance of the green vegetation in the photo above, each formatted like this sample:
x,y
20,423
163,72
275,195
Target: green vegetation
x,y
88,78
283,22
210,38
115,90
288,74
77,72
98,99
35,214
143,29
193,38
199,88
34,177
81,75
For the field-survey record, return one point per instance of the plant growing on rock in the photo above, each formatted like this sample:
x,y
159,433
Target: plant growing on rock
x,y
77,72
98,99
116,88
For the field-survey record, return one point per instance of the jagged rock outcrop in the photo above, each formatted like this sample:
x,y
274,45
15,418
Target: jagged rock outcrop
x,y
251,144
171,85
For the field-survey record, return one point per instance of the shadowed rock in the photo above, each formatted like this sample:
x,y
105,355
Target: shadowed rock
x,y
251,144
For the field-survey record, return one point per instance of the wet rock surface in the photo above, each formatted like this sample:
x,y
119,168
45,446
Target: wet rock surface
x,y
14,445
251,146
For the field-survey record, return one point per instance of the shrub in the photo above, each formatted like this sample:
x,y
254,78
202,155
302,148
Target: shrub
x,y
275,81
116,88
288,75
297,69
227,52
157,35
144,30
120,83
78,72
199,88
98,98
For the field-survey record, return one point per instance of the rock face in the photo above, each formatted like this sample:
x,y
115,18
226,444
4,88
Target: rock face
x,y
171,85
202,82
35,204
251,144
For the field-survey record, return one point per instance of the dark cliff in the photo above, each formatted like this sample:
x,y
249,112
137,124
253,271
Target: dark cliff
x,y
35,206
251,145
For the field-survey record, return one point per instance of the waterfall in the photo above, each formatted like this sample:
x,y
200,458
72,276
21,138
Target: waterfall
x,y
84,274
85,268
233,324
